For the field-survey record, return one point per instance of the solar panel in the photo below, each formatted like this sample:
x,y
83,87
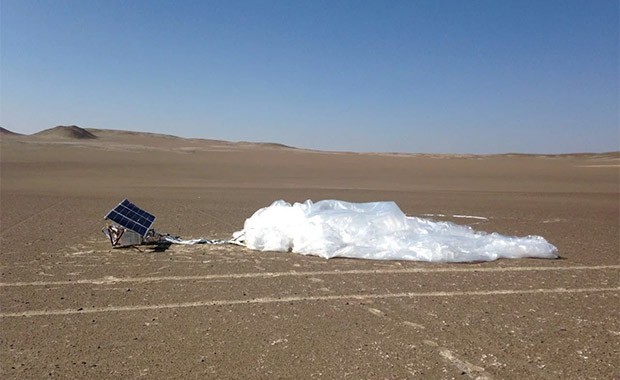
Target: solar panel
x,y
131,217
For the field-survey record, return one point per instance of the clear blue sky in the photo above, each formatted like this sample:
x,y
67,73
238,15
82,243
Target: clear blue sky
x,y
409,76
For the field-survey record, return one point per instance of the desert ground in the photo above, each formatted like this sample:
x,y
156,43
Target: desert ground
x,y
73,307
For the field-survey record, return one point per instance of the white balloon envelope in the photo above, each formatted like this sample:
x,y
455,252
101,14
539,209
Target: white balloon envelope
x,y
378,231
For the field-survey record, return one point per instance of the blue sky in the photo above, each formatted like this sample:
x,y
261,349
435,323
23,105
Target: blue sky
x,y
408,76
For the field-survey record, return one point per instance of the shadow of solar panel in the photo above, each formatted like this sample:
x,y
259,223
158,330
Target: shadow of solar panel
x,y
132,217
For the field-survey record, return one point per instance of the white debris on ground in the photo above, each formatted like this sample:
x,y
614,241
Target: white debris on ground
x,y
459,216
378,231
470,217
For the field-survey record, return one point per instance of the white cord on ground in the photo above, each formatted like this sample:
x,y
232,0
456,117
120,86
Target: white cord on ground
x,y
175,240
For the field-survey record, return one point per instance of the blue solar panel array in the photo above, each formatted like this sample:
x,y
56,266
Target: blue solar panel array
x,y
131,217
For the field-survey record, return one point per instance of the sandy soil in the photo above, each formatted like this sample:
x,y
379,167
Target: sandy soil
x,y
72,307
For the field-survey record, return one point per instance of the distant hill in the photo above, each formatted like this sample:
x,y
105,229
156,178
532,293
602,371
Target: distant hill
x,y
117,134
264,144
159,140
70,132
6,132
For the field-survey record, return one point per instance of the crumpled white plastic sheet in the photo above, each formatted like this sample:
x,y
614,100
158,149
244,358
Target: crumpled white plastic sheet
x,y
378,231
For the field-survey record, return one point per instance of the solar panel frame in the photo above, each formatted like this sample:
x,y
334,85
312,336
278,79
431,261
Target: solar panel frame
x,y
132,217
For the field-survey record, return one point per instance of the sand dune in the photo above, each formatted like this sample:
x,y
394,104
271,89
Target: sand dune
x,y
66,132
6,132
